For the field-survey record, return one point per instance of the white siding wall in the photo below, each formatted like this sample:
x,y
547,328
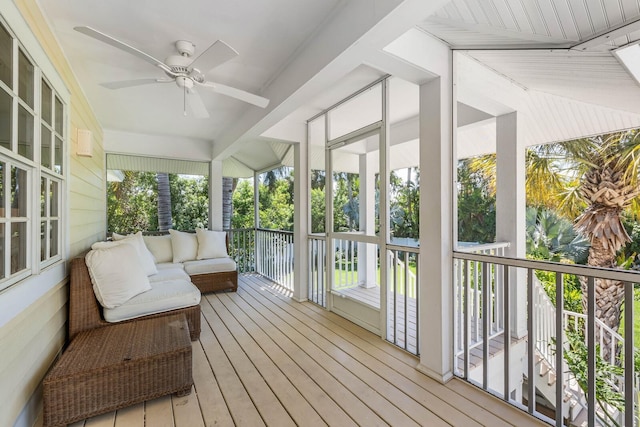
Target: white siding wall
x,y
32,336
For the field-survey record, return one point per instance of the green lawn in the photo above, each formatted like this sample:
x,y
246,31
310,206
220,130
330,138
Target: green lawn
x,y
636,323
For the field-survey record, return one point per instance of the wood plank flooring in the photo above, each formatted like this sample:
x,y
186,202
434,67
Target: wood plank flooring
x,y
263,359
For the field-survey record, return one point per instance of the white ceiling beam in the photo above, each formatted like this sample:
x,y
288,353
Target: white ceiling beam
x,y
608,35
528,40
337,48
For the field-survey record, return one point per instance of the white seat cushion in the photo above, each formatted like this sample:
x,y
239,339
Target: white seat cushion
x,y
204,266
163,296
166,274
170,266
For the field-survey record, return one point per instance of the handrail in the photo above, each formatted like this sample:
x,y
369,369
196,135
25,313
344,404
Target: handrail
x,y
483,247
583,270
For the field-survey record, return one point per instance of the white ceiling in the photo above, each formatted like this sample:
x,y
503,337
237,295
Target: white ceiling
x,y
265,33
306,55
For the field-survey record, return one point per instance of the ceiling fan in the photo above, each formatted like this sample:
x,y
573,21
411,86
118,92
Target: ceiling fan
x,y
184,70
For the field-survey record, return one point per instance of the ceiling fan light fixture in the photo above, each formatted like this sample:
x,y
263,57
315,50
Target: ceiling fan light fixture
x,y
184,82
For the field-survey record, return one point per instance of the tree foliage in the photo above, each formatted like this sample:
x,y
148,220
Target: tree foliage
x,y
132,205
476,200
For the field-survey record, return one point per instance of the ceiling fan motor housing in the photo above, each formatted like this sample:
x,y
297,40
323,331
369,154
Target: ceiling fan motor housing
x,y
186,48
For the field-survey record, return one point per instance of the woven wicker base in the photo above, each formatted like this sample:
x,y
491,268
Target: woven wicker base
x,y
116,366
212,282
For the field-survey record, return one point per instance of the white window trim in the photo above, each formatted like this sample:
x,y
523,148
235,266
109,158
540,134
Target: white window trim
x,y
14,296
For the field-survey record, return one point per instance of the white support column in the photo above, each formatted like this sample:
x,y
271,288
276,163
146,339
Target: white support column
x,y
257,247
367,263
436,227
301,220
215,195
511,209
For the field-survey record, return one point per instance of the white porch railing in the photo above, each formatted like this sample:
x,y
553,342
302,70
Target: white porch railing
x,y
274,256
478,278
317,270
402,298
475,271
402,285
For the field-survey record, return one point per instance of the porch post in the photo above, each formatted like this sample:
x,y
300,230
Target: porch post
x,y
511,209
367,218
436,227
215,195
301,221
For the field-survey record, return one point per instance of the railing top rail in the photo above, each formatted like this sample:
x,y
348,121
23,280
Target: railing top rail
x,y
412,249
582,270
317,236
483,247
267,230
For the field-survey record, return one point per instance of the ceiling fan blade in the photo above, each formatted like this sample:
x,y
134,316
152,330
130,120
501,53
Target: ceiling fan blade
x,y
216,54
238,94
196,105
130,83
91,32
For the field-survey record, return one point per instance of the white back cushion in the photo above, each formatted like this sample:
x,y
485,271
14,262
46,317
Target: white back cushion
x,y
184,245
211,244
160,247
145,257
116,274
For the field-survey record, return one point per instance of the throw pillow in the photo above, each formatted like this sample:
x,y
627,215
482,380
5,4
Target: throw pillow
x,y
116,274
160,247
184,245
211,244
116,236
144,256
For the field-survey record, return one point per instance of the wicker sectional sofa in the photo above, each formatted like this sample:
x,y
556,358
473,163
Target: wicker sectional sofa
x,y
209,274
131,320
86,313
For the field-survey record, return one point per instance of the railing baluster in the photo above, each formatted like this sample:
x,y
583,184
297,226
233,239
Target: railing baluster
x,y
406,311
559,350
395,303
467,317
629,374
485,326
476,303
417,352
531,348
591,351
507,332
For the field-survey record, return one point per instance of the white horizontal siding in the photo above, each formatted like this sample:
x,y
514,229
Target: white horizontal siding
x,y
33,334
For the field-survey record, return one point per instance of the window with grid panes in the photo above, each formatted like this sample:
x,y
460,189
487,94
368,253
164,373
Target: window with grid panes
x,y
32,146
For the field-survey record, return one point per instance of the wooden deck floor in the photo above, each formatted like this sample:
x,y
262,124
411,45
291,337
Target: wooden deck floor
x,y
263,359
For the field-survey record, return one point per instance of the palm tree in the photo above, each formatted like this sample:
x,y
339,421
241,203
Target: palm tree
x,y
164,202
228,187
606,168
596,177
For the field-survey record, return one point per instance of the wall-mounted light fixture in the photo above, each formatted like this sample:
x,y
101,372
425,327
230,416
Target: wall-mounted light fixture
x,y
85,143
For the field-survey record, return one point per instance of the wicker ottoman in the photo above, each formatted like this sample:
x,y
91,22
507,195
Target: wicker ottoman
x,y
116,366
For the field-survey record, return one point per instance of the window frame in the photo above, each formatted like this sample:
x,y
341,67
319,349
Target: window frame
x,y
36,174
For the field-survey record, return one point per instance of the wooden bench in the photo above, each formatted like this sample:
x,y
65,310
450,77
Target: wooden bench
x,y
115,366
